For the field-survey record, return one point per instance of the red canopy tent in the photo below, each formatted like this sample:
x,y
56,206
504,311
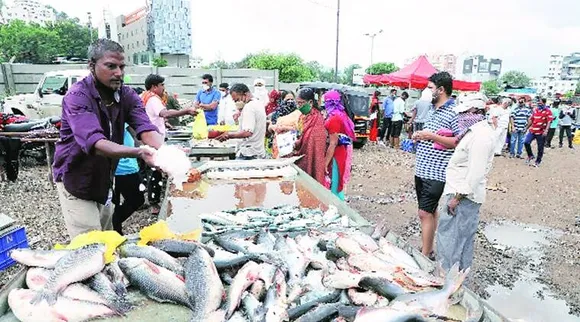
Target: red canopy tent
x,y
416,76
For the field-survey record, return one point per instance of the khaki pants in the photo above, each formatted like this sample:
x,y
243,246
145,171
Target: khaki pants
x,y
81,216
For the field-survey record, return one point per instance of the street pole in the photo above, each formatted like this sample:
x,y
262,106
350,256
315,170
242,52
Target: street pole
x,y
337,36
372,36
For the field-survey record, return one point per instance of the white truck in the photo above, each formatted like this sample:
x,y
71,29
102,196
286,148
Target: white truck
x,y
47,98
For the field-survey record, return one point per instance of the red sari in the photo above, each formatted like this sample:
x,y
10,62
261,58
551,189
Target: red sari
x,y
374,132
312,145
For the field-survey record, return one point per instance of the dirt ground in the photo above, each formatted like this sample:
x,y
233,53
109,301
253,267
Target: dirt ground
x,y
382,190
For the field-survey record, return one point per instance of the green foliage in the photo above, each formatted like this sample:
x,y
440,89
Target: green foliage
x,y
381,68
33,43
515,78
219,64
291,67
490,87
321,73
159,62
569,94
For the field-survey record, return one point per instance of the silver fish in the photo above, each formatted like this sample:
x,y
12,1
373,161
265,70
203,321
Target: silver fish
x,y
276,304
101,284
203,284
75,266
399,255
368,298
387,314
180,248
245,277
157,283
37,258
154,255
119,279
252,307
63,309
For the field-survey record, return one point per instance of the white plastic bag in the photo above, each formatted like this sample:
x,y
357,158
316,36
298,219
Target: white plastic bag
x,y
285,143
173,161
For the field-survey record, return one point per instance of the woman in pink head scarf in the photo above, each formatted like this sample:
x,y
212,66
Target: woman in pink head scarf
x,y
341,136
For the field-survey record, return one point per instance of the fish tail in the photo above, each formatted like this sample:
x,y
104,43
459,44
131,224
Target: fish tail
x,y
455,278
48,296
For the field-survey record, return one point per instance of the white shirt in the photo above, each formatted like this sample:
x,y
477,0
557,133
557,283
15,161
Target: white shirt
x,y
398,109
471,162
153,107
502,115
253,119
226,110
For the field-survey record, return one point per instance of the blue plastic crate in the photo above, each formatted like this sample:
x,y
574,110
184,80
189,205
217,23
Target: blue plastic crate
x,y
13,239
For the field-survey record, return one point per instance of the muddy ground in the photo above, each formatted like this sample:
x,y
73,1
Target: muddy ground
x,y
382,190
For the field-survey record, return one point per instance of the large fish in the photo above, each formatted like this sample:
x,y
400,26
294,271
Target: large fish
x,y
75,266
381,286
63,309
203,284
115,297
370,263
299,310
399,256
154,255
157,283
245,277
276,304
37,258
180,248
114,272
434,301
367,298
322,312
252,307
387,314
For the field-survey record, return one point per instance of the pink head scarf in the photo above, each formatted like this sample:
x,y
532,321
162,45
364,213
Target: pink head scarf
x,y
334,107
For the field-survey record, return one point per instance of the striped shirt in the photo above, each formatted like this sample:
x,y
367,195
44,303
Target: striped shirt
x,y
520,115
432,163
541,118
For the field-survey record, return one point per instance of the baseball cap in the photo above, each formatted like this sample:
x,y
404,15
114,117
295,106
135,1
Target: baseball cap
x,y
471,101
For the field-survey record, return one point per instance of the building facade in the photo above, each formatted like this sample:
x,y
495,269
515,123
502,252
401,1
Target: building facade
x,y
563,75
30,11
477,68
442,62
107,28
547,86
161,30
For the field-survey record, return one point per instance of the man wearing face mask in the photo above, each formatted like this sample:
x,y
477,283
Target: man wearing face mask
x,y
208,99
94,112
261,92
252,125
227,107
434,149
519,120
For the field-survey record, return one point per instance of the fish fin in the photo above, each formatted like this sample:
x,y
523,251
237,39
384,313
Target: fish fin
x,y
152,266
181,278
60,317
44,295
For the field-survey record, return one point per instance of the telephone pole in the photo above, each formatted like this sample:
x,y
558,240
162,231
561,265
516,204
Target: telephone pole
x,y
372,36
90,28
337,37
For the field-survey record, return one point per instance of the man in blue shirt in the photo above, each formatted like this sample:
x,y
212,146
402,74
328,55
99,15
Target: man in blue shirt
x,y
388,108
208,99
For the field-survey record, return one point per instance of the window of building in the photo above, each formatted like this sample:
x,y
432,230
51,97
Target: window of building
x,y
135,58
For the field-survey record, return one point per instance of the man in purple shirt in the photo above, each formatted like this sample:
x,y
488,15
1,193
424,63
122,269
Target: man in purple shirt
x,y
94,112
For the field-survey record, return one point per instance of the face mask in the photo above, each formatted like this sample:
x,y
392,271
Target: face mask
x,y
223,94
305,109
259,89
205,87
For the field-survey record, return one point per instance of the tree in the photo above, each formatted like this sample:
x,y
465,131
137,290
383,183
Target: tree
x,y
490,87
291,67
348,73
381,68
321,73
515,78
28,43
73,38
219,64
159,62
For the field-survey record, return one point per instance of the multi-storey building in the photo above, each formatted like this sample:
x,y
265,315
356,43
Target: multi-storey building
x,y
563,75
442,62
30,11
480,69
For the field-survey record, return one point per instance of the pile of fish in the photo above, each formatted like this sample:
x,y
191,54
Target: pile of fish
x,y
278,219
327,274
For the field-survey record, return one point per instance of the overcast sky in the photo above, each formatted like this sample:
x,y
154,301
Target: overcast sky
x,y
521,32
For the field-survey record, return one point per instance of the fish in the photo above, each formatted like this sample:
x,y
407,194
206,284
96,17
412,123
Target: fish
x,y
37,258
342,280
381,286
180,248
113,271
367,298
238,317
320,313
422,279
63,309
399,255
252,307
435,301
157,283
245,277
387,314
349,245
116,298
267,273
154,255
203,284
258,289
299,310
73,267
224,259
370,263
366,242
36,277
239,243
275,304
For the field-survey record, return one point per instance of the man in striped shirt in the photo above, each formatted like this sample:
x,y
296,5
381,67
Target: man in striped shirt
x,y
538,129
436,143
519,122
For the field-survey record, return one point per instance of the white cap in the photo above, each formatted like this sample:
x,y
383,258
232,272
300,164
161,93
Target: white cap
x,y
259,81
471,101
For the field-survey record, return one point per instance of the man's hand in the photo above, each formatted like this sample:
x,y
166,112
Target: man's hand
x,y
223,137
423,135
451,205
236,116
192,111
148,155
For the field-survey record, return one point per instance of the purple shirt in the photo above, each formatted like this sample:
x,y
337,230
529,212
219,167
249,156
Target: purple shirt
x,y
86,120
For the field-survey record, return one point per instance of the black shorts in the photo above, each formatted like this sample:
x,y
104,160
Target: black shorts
x,y
428,193
397,127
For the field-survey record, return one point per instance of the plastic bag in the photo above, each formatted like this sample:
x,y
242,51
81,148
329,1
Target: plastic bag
x,y
576,139
285,143
160,230
110,238
200,130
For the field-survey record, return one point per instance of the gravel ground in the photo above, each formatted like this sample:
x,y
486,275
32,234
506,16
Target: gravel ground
x,y
382,190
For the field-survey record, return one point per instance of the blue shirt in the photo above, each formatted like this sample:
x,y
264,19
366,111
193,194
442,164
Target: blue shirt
x,y
520,115
208,97
432,163
127,165
389,107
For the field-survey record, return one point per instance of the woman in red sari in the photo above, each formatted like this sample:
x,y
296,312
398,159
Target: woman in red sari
x,y
312,142
374,132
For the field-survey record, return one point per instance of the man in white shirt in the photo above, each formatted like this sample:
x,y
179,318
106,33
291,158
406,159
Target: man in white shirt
x,y
252,125
466,179
397,119
227,107
501,118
